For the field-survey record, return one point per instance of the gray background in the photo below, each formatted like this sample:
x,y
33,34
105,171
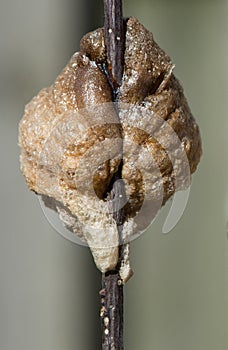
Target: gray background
x,y
49,286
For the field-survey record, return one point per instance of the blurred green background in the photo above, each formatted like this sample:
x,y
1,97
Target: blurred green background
x,y
49,286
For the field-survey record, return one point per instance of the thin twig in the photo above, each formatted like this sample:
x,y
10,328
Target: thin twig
x,y
112,312
112,289
112,296
114,39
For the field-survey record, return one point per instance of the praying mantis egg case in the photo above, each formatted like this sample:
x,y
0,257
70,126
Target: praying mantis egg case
x,y
72,140
154,116
69,152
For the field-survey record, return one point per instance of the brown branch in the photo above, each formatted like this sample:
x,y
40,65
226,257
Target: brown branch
x,y
112,312
114,39
112,289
